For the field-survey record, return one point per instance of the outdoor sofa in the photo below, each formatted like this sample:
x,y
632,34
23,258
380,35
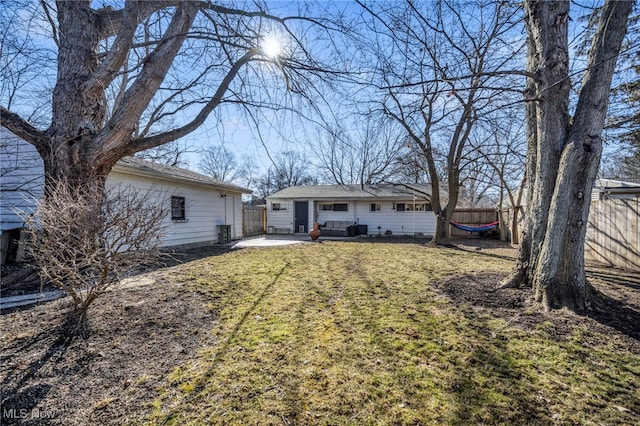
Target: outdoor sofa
x,y
338,228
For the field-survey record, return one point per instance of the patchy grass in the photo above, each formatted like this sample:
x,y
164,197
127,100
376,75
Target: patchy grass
x,y
361,333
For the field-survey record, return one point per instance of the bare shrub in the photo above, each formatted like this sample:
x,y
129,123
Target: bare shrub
x,y
84,239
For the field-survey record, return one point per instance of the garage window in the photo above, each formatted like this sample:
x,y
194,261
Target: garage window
x,y
178,208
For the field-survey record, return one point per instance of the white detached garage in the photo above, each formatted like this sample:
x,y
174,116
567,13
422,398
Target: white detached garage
x,y
198,205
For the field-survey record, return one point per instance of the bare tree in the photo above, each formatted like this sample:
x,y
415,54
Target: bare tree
x,y
621,153
148,73
84,241
220,163
564,150
438,72
248,171
171,154
500,145
623,123
412,166
365,151
290,169
129,79
26,77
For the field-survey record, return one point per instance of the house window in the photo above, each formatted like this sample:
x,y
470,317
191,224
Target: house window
x,y
376,207
340,207
178,208
336,207
278,207
413,207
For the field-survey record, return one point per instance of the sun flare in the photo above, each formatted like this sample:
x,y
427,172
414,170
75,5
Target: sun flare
x,y
271,46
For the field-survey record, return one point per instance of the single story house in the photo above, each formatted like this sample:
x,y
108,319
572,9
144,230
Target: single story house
x,y
385,209
197,204
613,233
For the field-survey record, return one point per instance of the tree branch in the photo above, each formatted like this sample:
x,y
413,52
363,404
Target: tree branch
x,y
118,53
112,140
600,67
22,128
137,145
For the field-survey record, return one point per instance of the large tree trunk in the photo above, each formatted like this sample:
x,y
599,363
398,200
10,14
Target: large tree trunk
x,y
82,144
77,115
443,216
441,233
563,153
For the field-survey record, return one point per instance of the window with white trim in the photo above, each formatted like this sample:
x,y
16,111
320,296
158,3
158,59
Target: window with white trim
x,y
178,210
278,207
335,207
418,207
340,207
413,207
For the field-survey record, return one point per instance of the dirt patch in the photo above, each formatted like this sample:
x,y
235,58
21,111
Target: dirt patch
x,y
22,278
610,313
138,335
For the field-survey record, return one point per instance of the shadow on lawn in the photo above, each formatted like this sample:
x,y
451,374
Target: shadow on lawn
x,y
614,313
622,312
606,310
615,277
180,255
170,257
19,403
478,249
489,387
490,384
204,378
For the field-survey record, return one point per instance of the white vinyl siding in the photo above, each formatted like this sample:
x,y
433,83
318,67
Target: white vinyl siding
x,y
22,177
399,223
324,215
281,219
204,209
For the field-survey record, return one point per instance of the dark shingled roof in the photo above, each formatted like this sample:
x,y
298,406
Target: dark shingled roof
x,y
354,192
147,168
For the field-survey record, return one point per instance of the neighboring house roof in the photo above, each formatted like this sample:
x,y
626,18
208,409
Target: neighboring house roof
x,y
355,192
617,183
613,188
142,167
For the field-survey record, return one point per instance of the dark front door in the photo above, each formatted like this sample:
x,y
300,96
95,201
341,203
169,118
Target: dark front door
x,y
301,220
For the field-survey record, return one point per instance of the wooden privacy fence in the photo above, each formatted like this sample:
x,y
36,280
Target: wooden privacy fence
x,y
472,217
613,235
254,220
